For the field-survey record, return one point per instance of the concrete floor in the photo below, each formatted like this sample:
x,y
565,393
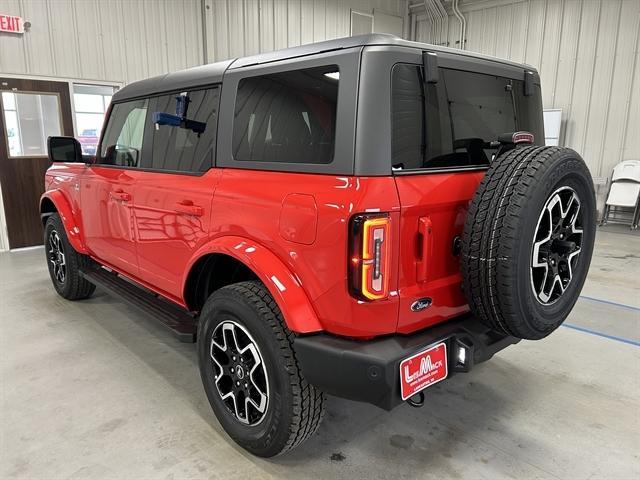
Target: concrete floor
x,y
95,390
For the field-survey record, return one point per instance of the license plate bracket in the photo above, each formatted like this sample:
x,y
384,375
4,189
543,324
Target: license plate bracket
x,y
423,369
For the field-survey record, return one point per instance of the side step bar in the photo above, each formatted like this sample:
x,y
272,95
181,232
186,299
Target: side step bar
x,y
179,321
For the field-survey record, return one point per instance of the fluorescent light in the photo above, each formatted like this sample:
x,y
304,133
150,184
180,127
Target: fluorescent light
x,y
333,75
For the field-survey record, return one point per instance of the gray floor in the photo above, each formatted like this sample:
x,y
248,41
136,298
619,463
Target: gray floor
x,y
95,390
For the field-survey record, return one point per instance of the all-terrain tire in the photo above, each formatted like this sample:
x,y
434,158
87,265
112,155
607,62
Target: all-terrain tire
x,y
70,285
506,279
294,408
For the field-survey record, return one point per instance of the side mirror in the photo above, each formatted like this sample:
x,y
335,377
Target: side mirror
x,y
64,149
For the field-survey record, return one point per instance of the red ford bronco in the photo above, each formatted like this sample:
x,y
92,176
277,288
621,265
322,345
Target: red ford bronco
x,y
363,217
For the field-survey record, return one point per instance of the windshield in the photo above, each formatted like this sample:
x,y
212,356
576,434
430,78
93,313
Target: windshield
x,y
452,123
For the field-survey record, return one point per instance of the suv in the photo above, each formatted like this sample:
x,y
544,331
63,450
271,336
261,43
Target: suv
x,y
363,217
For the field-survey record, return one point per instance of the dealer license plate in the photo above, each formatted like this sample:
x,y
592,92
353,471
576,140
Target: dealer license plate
x,y
423,370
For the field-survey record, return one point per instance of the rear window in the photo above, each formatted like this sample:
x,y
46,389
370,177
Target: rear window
x,y
287,117
450,123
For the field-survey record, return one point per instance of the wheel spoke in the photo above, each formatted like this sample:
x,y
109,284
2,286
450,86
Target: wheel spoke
x,y
57,257
240,373
556,245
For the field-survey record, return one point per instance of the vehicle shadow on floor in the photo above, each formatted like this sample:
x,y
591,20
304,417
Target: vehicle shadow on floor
x,y
458,414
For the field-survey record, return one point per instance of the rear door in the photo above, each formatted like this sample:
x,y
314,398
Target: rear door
x,y
439,155
174,192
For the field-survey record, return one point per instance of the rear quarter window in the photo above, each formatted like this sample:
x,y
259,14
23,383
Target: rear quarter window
x,y
287,117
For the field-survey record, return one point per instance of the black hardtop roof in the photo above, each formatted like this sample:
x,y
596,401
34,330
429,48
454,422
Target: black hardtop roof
x,y
213,72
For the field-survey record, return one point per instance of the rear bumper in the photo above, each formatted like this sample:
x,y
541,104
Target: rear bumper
x,y
368,371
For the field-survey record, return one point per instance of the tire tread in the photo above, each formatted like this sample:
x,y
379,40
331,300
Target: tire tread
x,y
492,233
309,402
78,287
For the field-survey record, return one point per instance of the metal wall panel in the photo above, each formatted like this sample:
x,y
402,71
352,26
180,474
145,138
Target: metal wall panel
x,y
245,27
587,54
102,40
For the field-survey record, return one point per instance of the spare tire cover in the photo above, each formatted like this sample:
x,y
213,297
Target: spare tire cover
x,y
528,240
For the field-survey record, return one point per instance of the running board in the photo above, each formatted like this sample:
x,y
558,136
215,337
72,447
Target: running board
x,y
176,319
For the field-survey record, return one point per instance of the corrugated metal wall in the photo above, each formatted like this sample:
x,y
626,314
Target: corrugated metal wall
x,y
245,27
105,40
126,40
587,54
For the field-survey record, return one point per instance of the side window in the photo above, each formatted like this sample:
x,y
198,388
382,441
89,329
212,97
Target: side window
x,y
287,117
122,142
182,149
450,123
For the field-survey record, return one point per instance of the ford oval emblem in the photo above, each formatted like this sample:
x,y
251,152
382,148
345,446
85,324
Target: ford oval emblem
x,y
421,304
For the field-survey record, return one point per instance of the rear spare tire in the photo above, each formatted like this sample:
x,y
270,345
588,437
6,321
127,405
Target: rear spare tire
x,y
528,240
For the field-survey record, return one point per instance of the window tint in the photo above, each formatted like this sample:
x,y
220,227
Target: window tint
x,y
287,117
463,112
122,142
181,149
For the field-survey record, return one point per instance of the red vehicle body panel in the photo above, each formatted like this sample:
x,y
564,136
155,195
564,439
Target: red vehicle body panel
x,y
434,209
253,205
172,220
291,229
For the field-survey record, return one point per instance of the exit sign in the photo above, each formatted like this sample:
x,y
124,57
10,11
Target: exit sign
x,y
11,24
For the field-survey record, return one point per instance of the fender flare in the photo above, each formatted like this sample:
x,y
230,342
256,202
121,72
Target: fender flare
x,y
66,215
284,286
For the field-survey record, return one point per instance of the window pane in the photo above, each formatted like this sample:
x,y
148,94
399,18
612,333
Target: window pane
x,y
181,149
407,104
29,120
86,102
463,112
481,105
13,133
90,105
88,126
287,117
123,137
8,101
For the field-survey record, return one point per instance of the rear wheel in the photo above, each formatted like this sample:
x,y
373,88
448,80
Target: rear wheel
x,y
250,372
528,240
64,262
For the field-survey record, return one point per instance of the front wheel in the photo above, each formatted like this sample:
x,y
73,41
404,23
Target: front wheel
x,y
250,372
64,262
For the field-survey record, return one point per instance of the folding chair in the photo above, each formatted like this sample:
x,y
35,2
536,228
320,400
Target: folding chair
x,y
623,198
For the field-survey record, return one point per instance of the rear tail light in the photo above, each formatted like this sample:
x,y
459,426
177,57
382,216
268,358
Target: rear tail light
x,y
369,256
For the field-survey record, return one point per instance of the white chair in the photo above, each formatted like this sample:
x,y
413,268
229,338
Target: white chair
x,y
624,194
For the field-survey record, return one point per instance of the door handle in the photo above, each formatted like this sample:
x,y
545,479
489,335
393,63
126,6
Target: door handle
x,y
120,195
425,248
187,207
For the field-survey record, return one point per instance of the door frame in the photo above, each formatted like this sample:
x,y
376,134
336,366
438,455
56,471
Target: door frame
x,y
4,232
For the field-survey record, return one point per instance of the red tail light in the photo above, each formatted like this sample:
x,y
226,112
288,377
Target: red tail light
x,y
369,256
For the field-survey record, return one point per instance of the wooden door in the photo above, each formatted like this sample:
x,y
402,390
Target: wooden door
x,y
30,111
